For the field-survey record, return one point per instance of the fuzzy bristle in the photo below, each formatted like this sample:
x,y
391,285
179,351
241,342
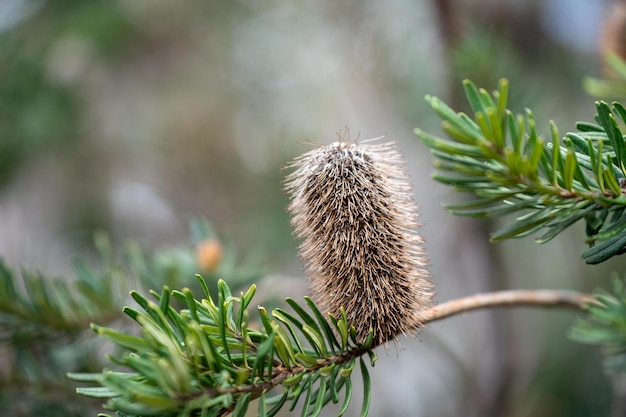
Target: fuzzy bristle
x,y
352,207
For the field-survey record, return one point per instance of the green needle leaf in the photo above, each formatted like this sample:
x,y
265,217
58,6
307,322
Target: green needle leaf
x,y
97,392
242,405
164,299
330,336
607,120
265,319
132,343
278,406
367,388
605,250
347,398
306,360
315,337
321,394
473,96
308,398
301,312
287,320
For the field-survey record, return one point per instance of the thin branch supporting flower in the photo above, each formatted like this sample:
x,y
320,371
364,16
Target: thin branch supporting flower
x,y
511,298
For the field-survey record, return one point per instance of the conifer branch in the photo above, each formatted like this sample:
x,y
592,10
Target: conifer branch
x,y
605,325
550,184
613,87
205,358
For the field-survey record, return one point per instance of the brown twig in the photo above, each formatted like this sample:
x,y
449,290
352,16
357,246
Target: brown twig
x,y
511,298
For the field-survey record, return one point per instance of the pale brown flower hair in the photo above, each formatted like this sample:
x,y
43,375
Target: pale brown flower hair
x,y
352,207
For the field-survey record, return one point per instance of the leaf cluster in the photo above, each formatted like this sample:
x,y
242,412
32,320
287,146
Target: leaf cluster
x,y
613,87
43,322
606,325
44,319
207,359
550,184
53,307
36,305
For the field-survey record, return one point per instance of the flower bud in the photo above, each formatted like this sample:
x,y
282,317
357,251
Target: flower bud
x,y
353,209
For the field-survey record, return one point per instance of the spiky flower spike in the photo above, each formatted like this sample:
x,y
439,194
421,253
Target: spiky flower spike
x,y
352,206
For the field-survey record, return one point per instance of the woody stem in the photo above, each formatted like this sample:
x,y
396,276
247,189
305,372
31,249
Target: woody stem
x,y
511,298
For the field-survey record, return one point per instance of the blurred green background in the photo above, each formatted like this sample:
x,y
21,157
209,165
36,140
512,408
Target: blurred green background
x,y
134,116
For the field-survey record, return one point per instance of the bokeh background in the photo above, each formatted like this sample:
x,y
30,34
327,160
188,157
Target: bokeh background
x,y
134,116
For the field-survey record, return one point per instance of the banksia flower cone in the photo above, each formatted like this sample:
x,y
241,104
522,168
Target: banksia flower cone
x,y
352,207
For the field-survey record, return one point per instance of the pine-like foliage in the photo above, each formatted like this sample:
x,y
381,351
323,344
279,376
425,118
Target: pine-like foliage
x,y
42,333
353,208
606,325
609,88
44,319
208,360
550,184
